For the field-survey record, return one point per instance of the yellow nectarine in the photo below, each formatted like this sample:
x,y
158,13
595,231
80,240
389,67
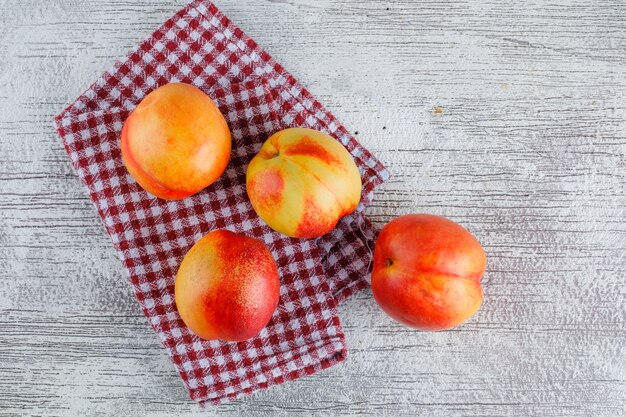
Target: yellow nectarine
x,y
176,142
302,182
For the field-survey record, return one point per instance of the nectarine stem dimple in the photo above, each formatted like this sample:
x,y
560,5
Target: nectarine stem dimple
x,y
388,262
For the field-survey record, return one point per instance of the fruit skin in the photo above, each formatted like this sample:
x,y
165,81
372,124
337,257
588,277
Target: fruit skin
x,y
176,142
427,272
302,182
227,287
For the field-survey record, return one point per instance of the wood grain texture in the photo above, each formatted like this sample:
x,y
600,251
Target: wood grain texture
x,y
509,117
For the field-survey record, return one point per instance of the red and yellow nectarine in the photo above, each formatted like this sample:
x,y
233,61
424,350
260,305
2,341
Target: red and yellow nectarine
x,y
176,142
227,287
302,182
427,272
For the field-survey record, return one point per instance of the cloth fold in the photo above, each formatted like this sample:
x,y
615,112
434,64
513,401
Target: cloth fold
x,y
200,46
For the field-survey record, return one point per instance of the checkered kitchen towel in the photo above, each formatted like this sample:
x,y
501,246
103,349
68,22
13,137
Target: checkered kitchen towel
x,y
200,46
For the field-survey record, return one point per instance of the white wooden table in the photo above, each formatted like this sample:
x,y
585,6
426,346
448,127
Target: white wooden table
x,y
506,116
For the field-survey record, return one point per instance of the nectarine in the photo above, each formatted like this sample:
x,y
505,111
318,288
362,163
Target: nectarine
x,y
176,142
427,272
227,287
302,182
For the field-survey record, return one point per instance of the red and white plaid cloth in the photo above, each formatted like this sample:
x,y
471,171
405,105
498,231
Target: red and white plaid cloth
x,y
200,46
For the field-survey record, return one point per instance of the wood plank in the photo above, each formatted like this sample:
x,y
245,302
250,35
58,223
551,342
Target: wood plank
x,y
508,117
